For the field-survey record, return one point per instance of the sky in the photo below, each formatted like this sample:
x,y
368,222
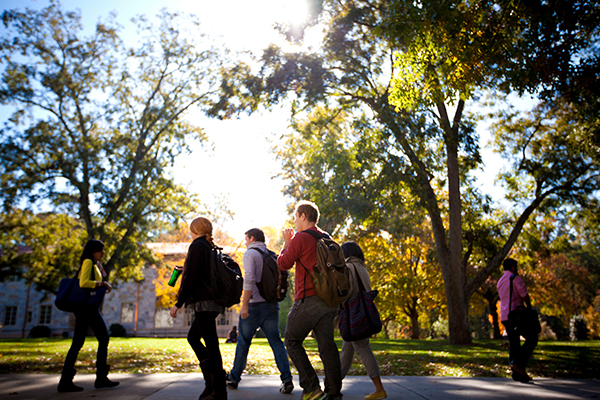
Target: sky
x,y
241,169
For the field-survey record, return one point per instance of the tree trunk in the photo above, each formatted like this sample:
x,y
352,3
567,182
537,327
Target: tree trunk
x,y
458,302
414,319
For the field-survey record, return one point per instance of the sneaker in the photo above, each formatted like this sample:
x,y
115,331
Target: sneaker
x,y
231,385
316,394
286,387
377,396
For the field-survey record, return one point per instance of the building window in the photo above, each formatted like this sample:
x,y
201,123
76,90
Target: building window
x,y
225,318
127,311
29,316
10,315
45,315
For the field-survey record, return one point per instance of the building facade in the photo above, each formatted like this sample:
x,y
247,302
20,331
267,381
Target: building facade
x,y
130,304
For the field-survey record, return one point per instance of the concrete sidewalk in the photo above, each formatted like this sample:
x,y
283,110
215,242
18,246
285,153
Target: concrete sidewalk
x,y
265,387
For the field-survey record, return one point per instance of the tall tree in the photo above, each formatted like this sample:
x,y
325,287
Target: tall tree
x,y
42,248
407,70
404,272
96,124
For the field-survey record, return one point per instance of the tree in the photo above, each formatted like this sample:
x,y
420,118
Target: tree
x,y
403,271
48,245
96,124
402,73
333,163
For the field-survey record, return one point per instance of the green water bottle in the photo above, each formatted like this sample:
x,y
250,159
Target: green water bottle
x,y
175,275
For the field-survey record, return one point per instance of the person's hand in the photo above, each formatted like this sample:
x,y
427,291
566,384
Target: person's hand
x,y
287,234
108,286
245,312
173,311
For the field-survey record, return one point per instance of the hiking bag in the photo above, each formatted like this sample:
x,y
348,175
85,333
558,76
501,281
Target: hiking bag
x,y
331,275
226,282
273,283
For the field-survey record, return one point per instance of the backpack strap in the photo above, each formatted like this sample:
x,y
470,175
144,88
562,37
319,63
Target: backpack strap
x,y
361,286
315,234
257,249
512,278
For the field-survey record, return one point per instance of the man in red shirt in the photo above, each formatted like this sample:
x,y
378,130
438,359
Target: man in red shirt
x,y
519,355
309,312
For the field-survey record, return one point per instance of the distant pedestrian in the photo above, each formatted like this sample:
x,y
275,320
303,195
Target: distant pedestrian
x,y
89,317
232,336
194,293
518,355
309,312
258,313
355,260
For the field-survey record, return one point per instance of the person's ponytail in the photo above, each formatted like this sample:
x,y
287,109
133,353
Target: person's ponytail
x,y
203,227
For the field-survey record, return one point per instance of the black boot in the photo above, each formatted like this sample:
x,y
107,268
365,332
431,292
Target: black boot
x,y
208,380
220,390
66,382
102,380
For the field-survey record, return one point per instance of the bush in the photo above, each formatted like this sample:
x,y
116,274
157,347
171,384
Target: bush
x,y
440,327
40,331
578,328
117,330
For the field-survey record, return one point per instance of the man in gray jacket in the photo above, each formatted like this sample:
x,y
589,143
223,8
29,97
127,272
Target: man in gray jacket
x,y
258,313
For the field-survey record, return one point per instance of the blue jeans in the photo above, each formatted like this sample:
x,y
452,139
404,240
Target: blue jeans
x,y
312,314
266,317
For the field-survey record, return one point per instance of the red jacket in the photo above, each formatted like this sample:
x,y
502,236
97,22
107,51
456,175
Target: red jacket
x,y
302,250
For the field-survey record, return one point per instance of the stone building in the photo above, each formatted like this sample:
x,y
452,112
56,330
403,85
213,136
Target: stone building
x,y
131,304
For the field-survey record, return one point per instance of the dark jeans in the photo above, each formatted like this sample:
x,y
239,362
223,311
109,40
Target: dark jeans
x,y
312,314
84,320
205,327
517,353
265,316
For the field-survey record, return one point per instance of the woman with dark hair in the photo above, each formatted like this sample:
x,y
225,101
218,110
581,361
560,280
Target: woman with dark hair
x,y
193,292
355,260
91,275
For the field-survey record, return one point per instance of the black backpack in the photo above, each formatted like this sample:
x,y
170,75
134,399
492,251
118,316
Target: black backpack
x,y
273,283
226,282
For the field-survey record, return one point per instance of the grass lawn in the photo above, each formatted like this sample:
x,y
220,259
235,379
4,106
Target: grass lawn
x,y
396,357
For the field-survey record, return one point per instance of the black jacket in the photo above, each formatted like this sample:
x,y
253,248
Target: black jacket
x,y
195,274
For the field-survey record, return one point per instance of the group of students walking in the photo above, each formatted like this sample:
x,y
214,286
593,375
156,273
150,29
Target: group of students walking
x,y
309,313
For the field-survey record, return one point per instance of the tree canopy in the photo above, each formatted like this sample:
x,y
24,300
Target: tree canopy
x,y
96,124
400,76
